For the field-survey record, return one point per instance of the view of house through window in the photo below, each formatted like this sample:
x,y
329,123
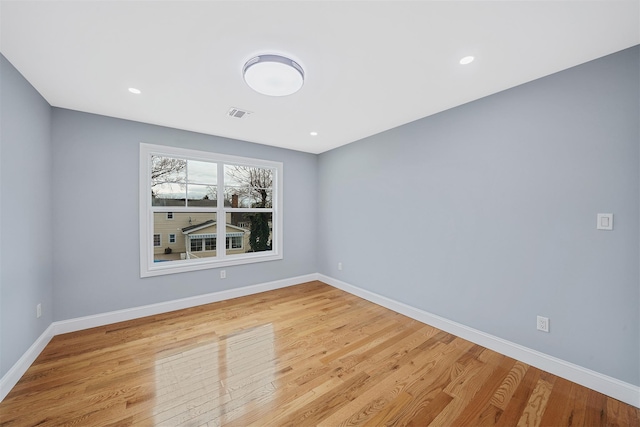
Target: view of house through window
x,y
203,208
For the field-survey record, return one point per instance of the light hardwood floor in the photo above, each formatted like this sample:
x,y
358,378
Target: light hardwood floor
x,y
305,355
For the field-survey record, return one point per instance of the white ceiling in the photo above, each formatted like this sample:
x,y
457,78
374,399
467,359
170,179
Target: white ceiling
x,y
370,66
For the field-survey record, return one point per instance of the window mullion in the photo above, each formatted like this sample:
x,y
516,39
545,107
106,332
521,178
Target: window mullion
x,y
221,219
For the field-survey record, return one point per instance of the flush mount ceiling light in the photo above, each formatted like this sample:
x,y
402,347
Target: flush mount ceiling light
x,y
273,75
135,91
467,60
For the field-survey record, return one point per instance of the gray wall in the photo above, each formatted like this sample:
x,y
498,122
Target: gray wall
x,y
25,215
483,214
486,214
96,258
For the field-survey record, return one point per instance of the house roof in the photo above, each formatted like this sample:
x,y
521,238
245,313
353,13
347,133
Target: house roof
x,y
208,223
195,227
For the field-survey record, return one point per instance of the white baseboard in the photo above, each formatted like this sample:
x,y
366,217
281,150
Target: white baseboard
x,y
10,379
79,323
604,384
613,387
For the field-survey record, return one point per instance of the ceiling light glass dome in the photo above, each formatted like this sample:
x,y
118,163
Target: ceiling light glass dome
x,y
273,75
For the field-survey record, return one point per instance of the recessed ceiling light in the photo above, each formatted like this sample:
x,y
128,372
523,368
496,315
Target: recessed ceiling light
x,y
273,75
134,90
313,133
467,60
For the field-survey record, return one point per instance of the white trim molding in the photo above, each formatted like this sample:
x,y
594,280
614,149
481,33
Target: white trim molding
x,y
604,384
11,378
610,386
80,323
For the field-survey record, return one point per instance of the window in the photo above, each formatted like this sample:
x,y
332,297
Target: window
x,y
194,195
234,242
196,245
210,244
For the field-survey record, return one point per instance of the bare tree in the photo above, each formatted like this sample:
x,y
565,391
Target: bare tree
x,y
254,184
167,169
250,183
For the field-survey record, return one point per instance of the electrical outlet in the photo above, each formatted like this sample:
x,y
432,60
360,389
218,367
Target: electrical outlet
x,y
543,324
39,310
223,274
339,266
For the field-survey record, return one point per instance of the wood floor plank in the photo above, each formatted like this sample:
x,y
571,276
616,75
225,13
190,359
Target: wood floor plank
x,y
501,397
429,412
386,414
533,412
566,406
596,409
619,414
480,403
305,355
468,383
518,401
439,375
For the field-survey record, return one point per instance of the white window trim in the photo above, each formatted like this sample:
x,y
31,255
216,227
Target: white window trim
x,y
170,218
147,266
153,238
169,238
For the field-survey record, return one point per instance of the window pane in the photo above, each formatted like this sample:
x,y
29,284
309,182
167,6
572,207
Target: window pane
x,y
167,169
192,234
168,176
202,195
249,232
248,187
202,172
237,197
168,194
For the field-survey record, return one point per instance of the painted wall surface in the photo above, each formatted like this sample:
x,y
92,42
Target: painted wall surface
x,y
95,181
486,214
25,215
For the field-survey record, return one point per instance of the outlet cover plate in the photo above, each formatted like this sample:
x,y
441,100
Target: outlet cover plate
x,y
543,324
605,221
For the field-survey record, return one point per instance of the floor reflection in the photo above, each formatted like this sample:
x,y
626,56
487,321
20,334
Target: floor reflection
x,y
219,380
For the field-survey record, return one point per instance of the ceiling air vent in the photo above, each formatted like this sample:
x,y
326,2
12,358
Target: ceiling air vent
x,y
237,113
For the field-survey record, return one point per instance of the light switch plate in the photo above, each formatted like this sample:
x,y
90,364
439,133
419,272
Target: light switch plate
x,y
605,221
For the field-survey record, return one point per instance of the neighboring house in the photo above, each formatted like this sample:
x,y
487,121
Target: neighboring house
x,y
193,235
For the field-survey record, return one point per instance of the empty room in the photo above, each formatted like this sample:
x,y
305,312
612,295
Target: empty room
x,y
431,213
